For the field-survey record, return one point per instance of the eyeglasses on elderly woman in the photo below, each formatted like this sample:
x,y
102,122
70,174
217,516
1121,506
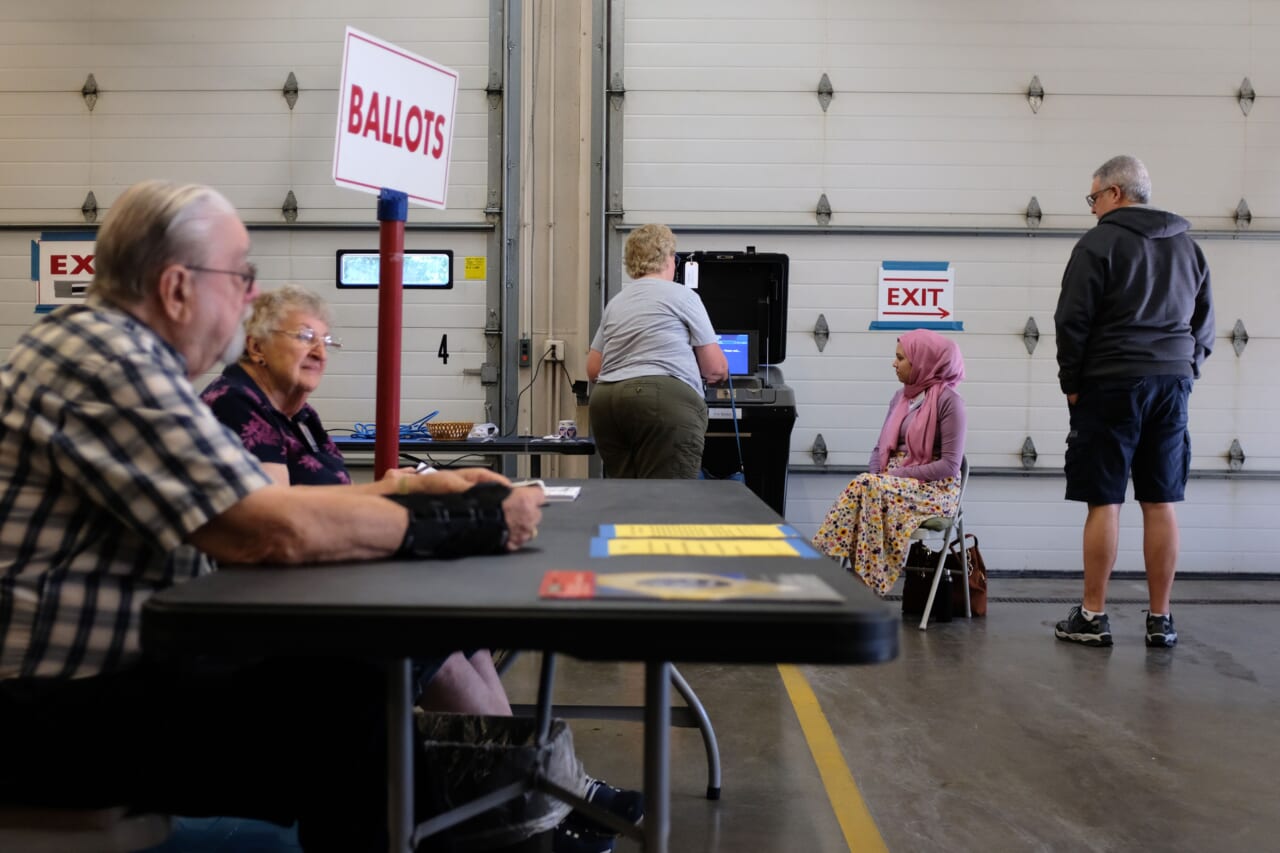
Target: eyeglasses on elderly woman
x,y
308,336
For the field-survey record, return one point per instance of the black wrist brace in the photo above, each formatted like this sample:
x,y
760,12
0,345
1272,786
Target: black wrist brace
x,y
455,525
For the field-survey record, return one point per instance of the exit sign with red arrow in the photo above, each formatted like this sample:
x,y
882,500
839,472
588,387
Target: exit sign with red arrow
x,y
917,295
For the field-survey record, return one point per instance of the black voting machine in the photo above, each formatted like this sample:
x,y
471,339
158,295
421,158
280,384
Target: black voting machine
x,y
745,293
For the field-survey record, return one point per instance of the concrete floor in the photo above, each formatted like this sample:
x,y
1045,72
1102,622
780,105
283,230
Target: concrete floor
x,y
987,734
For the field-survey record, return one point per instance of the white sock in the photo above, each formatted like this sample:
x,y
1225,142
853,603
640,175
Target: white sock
x,y
1158,615
1090,615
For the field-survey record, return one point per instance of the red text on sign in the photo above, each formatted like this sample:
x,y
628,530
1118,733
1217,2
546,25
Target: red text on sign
x,y
390,122
922,296
82,264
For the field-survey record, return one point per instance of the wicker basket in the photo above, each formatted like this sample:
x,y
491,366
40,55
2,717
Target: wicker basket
x,y
449,430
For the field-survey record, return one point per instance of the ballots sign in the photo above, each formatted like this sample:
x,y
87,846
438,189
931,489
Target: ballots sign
x,y
395,121
64,270
916,295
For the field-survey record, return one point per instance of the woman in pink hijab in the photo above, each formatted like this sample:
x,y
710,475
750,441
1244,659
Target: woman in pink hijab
x,y
914,469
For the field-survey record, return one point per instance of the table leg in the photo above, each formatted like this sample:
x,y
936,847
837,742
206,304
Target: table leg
x,y
535,465
400,757
546,685
657,756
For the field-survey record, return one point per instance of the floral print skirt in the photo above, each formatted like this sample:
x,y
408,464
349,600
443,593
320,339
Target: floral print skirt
x,y
872,521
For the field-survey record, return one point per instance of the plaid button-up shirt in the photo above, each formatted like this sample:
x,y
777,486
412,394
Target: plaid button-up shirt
x,y
108,461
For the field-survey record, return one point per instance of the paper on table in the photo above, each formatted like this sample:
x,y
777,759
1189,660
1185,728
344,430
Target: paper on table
x,y
687,586
561,493
602,547
551,493
698,531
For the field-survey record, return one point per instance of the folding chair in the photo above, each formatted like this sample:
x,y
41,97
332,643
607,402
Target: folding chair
x,y
946,525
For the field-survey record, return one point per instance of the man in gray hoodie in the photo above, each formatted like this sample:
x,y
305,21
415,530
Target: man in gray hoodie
x,y
1134,324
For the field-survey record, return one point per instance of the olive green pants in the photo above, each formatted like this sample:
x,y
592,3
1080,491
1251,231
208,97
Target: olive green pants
x,y
649,428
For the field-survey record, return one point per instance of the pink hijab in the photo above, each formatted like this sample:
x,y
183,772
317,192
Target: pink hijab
x,y
936,364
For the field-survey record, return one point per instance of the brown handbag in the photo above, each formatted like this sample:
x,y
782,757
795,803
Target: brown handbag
x,y
977,577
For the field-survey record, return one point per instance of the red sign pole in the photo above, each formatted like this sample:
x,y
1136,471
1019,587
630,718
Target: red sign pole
x,y
393,209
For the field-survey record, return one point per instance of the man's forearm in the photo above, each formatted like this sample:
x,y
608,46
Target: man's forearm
x,y
283,524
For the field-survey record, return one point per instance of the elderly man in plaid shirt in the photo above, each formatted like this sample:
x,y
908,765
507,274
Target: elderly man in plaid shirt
x,y
117,481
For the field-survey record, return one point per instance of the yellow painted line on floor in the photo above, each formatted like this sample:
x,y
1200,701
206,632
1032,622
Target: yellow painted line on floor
x,y
860,831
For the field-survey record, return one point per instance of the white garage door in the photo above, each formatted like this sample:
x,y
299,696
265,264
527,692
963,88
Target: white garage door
x,y
930,150
193,91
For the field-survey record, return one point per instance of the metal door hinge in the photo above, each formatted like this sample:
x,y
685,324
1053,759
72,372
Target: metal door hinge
x,y
89,91
825,92
1035,94
1033,213
290,90
290,207
1235,456
1239,337
1244,216
1029,455
823,210
1246,96
821,333
90,207
1031,335
819,450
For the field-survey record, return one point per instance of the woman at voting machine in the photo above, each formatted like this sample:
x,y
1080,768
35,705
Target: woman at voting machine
x,y
654,347
914,469
263,399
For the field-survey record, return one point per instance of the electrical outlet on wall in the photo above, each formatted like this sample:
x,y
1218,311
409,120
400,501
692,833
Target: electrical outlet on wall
x,y
555,350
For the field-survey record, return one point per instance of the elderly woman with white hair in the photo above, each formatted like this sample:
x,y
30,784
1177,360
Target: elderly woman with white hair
x,y
263,399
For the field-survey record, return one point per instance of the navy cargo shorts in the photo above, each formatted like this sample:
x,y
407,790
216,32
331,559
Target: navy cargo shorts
x,y
1124,424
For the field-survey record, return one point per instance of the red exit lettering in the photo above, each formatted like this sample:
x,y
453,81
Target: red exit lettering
x,y
389,121
81,264
922,296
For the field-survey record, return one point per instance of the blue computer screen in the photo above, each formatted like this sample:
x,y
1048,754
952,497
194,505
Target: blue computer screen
x,y
737,349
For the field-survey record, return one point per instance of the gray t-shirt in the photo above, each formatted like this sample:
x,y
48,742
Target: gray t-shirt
x,y
650,329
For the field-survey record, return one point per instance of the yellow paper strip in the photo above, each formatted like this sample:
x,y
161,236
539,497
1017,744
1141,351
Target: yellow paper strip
x,y
703,547
699,531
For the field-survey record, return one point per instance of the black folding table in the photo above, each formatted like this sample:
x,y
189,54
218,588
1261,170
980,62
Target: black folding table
x,y
397,610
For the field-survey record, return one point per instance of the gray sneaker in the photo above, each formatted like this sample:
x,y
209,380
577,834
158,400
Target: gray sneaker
x,y
1090,632
1160,633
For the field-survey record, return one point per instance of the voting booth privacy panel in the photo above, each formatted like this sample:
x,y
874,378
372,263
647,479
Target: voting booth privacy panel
x,y
745,294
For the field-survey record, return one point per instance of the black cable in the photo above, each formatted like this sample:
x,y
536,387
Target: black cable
x,y
452,463
536,369
567,376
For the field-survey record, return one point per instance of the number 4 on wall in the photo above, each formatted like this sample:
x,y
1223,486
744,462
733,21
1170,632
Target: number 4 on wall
x,y
443,352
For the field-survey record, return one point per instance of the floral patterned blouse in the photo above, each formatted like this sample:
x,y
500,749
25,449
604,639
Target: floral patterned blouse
x,y
300,442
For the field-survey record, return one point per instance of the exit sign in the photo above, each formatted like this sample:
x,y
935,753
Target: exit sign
x,y
917,295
